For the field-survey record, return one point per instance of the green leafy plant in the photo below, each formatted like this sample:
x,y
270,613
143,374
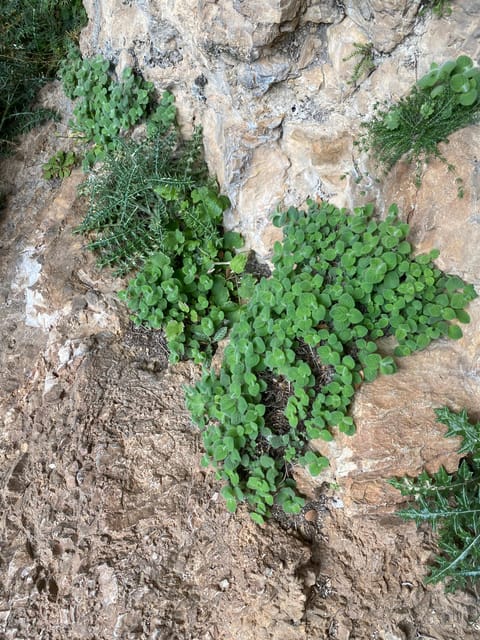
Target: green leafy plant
x,y
306,340
146,188
189,291
153,209
34,38
364,65
450,503
446,99
60,165
439,8
106,109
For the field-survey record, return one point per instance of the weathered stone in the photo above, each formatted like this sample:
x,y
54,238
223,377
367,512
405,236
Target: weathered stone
x,y
324,12
341,40
259,76
262,188
384,25
274,11
397,433
318,156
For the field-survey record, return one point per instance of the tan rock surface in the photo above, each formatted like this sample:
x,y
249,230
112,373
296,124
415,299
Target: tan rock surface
x,y
109,525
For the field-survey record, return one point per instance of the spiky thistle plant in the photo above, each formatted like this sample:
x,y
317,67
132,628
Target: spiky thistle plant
x,y
450,503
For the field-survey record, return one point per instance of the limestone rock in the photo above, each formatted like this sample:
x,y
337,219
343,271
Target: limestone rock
x,y
385,25
262,188
324,12
261,75
318,157
274,11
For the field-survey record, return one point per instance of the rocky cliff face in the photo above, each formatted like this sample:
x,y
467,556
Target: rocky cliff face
x,y
110,527
271,86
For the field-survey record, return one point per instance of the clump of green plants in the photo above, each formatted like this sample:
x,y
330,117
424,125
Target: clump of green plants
x,y
153,209
34,38
439,8
146,188
446,99
364,65
191,290
60,165
307,339
105,109
450,503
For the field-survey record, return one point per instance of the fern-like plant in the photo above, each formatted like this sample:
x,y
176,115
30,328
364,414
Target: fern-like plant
x,y
450,503
364,64
140,188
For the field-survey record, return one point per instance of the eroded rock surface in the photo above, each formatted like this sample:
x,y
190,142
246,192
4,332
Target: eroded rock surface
x,y
110,528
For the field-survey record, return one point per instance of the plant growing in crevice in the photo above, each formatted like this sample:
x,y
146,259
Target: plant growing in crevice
x,y
153,209
450,504
143,187
364,64
439,8
191,289
340,283
60,165
444,100
105,109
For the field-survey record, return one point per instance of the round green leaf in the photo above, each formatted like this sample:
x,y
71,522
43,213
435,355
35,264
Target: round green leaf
x,y
454,332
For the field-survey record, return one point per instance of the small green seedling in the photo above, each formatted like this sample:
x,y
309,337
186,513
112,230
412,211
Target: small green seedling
x,y
60,165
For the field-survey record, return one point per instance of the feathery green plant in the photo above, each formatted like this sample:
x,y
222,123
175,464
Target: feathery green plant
x,y
444,100
34,38
450,503
364,65
141,188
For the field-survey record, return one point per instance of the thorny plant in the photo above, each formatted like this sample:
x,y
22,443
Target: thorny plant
x,y
450,504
